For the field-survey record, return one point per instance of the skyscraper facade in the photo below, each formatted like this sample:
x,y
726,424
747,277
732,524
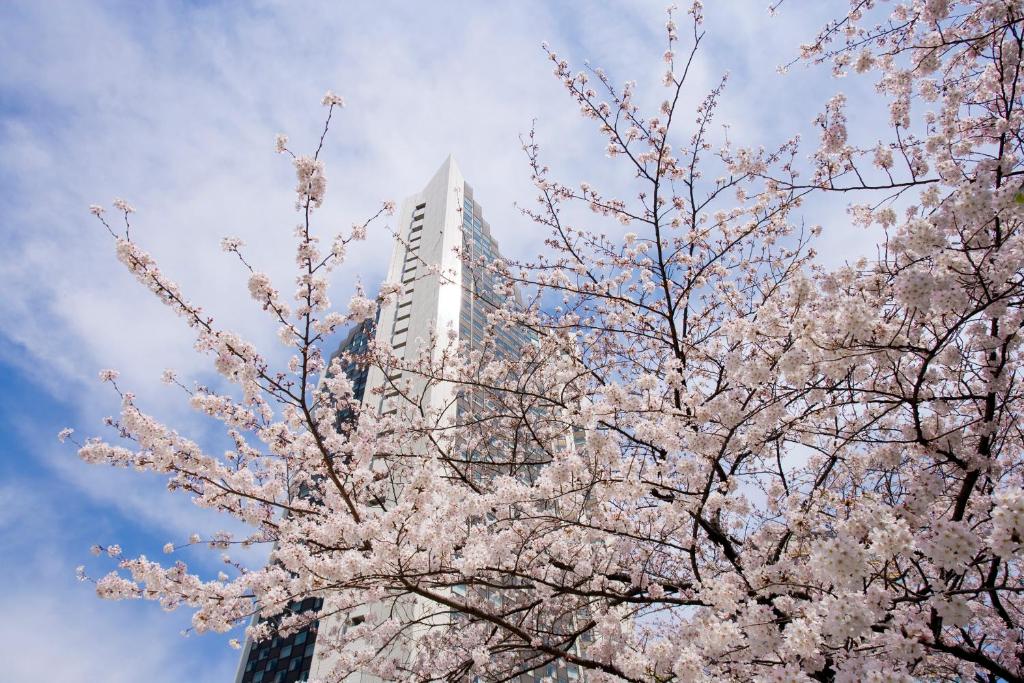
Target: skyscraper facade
x,y
436,257
437,227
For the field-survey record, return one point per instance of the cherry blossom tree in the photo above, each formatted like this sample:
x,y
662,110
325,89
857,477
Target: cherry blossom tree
x,y
716,460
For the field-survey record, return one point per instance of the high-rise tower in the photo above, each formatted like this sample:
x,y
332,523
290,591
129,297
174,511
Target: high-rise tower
x,y
441,229
441,234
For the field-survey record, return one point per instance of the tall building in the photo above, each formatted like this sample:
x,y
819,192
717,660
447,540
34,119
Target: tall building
x,y
441,228
442,234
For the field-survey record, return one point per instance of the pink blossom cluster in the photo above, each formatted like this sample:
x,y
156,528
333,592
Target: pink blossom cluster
x,y
716,459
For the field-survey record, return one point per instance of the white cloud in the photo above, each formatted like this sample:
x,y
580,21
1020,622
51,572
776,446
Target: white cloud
x,y
72,637
176,110
168,517
175,107
55,629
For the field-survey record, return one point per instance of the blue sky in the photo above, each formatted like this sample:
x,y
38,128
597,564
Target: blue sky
x,y
174,106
